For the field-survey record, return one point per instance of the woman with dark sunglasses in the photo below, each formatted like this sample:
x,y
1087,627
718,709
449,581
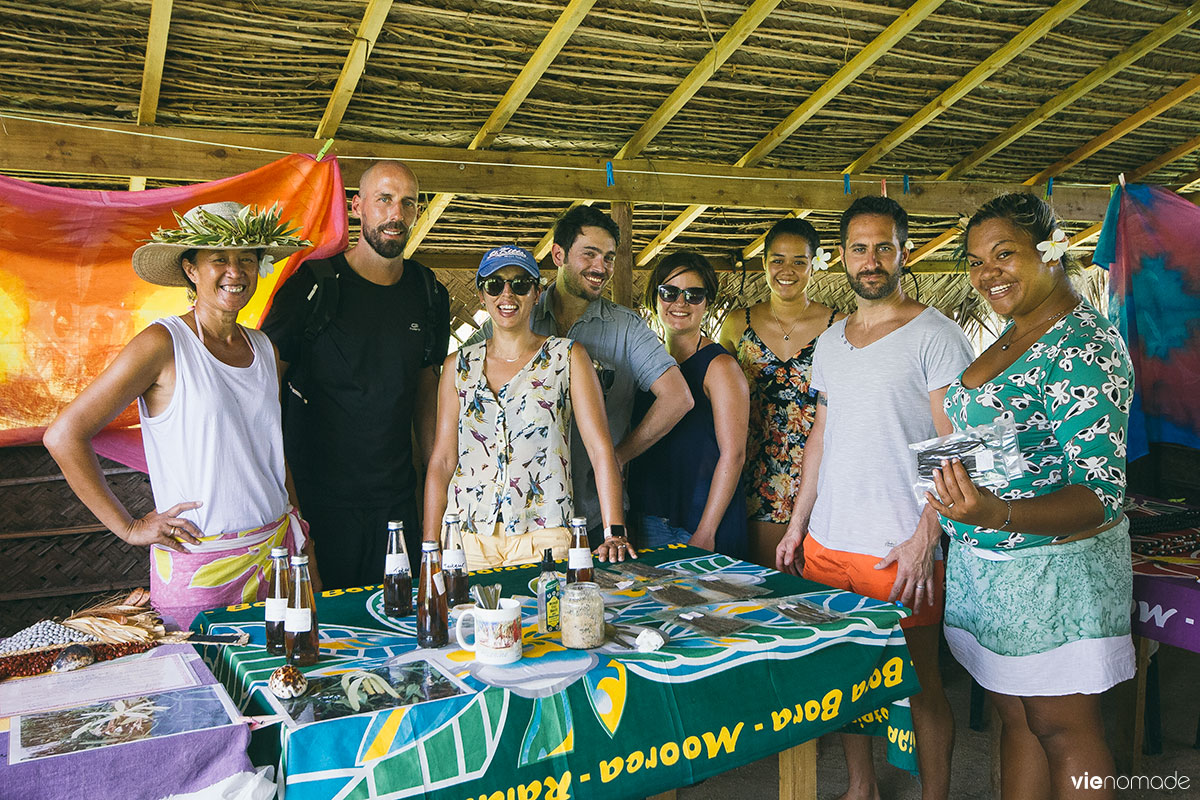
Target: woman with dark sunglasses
x,y
687,487
501,455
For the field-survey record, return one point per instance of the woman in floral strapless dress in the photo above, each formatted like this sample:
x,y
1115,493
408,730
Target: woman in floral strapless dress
x,y
774,342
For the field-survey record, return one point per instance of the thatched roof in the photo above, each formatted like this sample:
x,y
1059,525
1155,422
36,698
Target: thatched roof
x,y
925,89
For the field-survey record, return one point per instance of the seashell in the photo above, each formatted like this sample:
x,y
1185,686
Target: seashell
x,y
73,657
287,682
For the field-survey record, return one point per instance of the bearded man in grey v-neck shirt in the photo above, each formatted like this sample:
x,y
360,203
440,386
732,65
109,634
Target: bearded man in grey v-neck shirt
x,y
881,375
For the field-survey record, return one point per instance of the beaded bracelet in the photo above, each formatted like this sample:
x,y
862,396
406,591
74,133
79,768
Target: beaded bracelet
x,y
1008,517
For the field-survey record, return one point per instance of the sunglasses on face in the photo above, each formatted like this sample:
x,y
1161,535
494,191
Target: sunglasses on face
x,y
669,294
494,286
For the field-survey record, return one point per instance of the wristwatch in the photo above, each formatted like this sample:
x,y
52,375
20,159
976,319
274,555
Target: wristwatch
x,y
611,531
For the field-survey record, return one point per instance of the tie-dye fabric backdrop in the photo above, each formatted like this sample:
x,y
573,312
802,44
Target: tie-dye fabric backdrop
x,y
1151,245
69,300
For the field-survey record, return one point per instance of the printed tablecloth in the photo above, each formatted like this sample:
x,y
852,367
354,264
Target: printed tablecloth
x,y
1166,586
564,723
135,764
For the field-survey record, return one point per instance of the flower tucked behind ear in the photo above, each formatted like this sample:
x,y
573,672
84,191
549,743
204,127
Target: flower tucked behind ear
x,y
908,245
1055,247
821,260
266,265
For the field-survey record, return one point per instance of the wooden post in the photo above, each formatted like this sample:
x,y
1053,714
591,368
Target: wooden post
x,y
1142,647
798,772
622,281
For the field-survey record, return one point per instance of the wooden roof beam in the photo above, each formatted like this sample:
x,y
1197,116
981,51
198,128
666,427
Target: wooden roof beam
x,y
1130,123
156,54
1189,183
878,46
152,69
934,108
700,74
685,91
1174,154
352,68
530,74
1077,90
1165,102
191,154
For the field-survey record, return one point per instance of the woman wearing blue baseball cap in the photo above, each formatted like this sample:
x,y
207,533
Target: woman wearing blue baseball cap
x,y
502,457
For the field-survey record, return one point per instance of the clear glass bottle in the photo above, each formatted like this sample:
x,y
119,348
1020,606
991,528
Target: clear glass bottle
x,y
433,629
549,595
278,590
579,556
582,616
300,618
397,574
454,562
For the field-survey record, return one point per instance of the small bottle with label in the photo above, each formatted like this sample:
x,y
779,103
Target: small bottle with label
x,y
300,617
433,629
548,593
454,562
397,574
278,590
579,556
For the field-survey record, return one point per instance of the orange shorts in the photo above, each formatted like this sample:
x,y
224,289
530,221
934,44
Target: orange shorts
x,y
856,573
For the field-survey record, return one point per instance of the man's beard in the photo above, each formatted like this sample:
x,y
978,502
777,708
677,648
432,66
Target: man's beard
x,y
388,248
885,289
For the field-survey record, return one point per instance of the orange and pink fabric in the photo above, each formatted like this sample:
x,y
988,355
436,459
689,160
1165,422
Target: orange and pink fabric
x,y
69,300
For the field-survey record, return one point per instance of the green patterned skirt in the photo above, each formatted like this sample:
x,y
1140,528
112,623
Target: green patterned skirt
x,y
1043,621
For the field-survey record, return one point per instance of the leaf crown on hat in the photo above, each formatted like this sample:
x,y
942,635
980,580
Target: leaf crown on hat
x,y
248,228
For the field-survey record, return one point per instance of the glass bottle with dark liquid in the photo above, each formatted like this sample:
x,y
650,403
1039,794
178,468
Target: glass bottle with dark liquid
x,y
454,562
397,574
300,617
278,590
432,627
579,555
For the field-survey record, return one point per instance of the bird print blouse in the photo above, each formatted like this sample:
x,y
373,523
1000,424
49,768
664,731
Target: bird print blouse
x,y
514,463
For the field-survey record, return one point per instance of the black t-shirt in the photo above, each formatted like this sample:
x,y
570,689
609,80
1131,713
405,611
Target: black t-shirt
x,y
348,441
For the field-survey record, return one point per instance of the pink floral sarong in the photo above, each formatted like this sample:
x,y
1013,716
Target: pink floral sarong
x,y
223,570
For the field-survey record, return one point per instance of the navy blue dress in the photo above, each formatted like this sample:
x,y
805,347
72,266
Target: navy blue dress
x,y
672,478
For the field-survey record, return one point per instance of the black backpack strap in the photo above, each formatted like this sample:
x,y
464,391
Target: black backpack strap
x,y
322,299
432,287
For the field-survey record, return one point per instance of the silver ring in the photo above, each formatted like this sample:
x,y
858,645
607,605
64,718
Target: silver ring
x,y
920,587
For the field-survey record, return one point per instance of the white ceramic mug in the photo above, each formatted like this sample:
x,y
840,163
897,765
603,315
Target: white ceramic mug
x,y
497,632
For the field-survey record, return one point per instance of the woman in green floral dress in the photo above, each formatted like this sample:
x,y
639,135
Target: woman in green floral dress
x,y
1039,582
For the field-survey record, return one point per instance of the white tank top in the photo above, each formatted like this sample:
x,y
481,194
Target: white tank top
x,y
219,440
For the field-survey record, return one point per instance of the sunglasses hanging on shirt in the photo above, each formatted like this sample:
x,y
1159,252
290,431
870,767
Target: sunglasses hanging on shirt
x,y
494,286
669,294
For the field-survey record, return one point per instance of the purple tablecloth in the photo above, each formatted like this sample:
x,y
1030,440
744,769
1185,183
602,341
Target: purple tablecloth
x,y
141,770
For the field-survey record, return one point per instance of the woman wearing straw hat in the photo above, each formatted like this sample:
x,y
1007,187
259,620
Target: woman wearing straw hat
x,y
207,391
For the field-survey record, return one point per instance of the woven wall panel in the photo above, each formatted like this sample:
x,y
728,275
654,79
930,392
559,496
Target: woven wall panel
x,y
48,577
19,614
51,504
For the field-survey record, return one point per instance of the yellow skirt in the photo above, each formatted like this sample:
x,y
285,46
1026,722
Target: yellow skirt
x,y
498,550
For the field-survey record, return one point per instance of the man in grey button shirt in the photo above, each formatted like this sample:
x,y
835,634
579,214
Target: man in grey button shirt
x,y
627,354
881,374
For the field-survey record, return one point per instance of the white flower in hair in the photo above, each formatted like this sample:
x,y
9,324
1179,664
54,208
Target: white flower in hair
x,y
908,245
821,259
266,265
1055,247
